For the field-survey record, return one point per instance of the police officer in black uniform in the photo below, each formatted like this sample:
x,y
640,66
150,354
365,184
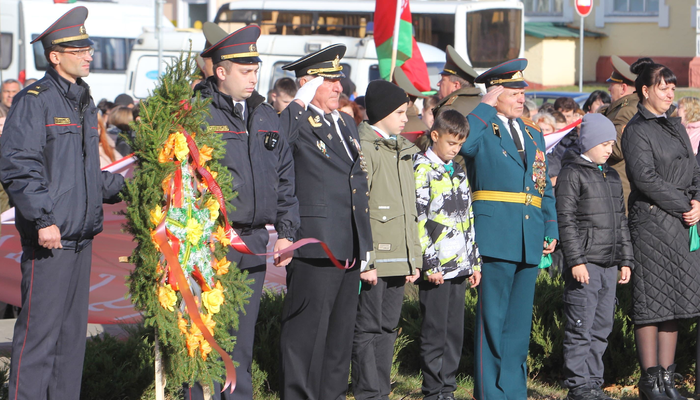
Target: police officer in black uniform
x,y
261,164
318,317
50,168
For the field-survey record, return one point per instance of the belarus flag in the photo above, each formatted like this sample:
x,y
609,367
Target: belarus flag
x,y
393,37
553,139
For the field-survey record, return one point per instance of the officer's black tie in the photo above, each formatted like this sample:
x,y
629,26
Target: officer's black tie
x,y
516,139
239,111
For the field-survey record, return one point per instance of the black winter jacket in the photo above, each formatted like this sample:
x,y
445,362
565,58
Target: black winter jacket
x,y
664,178
262,179
591,214
50,163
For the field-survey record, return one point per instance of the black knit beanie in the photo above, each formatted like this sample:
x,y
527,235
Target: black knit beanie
x,y
383,98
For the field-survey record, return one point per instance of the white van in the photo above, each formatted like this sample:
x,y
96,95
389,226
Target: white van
x,y
359,63
112,26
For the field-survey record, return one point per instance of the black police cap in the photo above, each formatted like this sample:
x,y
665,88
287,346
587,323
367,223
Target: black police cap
x,y
508,74
67,31
239,47
325,63
455,65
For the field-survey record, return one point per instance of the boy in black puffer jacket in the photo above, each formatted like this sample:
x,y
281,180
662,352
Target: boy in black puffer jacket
x,y
595,238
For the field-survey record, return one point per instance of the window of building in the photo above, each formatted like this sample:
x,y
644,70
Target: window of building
x,y
544,7
637,7
6,52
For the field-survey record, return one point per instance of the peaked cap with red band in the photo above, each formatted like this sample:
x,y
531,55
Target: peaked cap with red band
x,y
508,74
239,47
455,65
67,31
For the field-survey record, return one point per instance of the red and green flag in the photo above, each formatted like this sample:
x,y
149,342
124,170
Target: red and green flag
x,y
396,46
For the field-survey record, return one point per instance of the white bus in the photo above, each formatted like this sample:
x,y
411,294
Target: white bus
x,y
112,26
485,33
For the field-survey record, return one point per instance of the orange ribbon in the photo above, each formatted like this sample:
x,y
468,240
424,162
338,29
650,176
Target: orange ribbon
x,y
161,238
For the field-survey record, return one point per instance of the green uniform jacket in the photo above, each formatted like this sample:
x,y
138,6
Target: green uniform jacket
x,y
620,113
392,203
463,100
508,231
415,124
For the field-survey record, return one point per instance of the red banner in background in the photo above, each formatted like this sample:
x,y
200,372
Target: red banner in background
x,y
109,302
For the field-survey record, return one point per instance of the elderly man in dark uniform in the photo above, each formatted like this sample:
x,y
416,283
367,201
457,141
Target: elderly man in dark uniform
x,y
261,164
620,111
50,168
319,312
515,222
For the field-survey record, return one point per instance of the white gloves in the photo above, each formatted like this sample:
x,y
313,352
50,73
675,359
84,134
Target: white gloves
x,y
307,92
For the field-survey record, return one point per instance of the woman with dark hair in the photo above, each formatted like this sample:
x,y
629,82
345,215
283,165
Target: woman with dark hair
x,y
597,99
664,204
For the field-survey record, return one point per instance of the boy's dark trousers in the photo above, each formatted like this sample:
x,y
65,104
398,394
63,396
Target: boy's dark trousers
x,y
378,314
441,335
589,319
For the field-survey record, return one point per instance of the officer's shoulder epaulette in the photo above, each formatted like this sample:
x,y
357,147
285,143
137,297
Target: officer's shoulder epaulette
x,y
530,123
451,100
37,89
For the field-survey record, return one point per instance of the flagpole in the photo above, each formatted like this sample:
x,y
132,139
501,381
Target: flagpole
x,y
395,39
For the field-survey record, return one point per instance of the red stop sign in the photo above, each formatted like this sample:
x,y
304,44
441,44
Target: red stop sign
x,y
584,7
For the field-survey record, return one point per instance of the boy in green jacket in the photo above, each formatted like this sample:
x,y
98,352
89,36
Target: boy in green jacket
x,y
397,252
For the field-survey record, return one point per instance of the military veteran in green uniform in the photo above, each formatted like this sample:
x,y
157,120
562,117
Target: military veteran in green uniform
x,y
515,222
620,111
415,127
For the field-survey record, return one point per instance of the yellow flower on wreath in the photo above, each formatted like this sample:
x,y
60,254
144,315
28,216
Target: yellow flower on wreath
x,y
181,149
166,152
157,215
194,231
222,266
221,237
213,207
204,349
213,299
208,322
205,154
167,297
182,324
192,343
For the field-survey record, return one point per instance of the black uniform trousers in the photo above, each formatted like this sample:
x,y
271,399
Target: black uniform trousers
x,y
48,346
318,321
378,314
441,335
589,313
245,335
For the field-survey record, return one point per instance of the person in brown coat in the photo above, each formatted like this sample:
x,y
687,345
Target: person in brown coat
x,y
620,111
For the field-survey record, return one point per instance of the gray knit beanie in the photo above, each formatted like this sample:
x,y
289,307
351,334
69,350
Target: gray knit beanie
x,y
595,129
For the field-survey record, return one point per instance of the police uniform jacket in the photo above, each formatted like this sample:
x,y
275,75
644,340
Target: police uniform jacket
x,y
331,188
508,231
463,100
263,179
50,163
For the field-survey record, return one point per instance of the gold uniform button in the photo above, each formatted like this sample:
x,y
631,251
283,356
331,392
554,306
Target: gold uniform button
x,y
527,188
354,191
366,210
353,208
352,176
367,194
527,217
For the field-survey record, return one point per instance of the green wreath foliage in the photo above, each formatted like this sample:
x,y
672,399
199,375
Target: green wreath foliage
x,y
168,110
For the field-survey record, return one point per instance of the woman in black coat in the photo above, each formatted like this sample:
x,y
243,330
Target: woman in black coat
x,y
663,204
